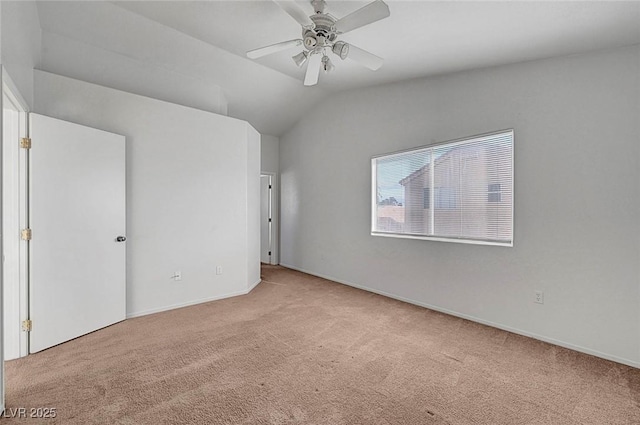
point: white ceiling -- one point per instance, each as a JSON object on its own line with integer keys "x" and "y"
{"x": 188, "y": 51}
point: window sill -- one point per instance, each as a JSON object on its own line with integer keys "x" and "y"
{"x": 443, "y": 239}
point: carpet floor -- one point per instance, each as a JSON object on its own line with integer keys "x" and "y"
{"x": 303, "y": 350}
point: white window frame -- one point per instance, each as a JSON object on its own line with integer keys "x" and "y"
{"x": 448, "y": 143}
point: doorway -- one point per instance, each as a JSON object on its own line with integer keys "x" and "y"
{"x": 74, "y": 194}
{"x": 13, "y": 208}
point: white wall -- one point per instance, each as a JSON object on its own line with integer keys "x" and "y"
{"x": 270, "y": 154}
{"x": 21, "y": 44}
{"x": 189, "y": 195}
{"x": 577, "y": 197}
{"x": 76, "y": 59}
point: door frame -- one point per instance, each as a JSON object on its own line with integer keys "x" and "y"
{"x": 269, "y": 223}
{"x": 1, "y": 271}
{"x": 274, "y": 210}
{"x": 20, "y": 174}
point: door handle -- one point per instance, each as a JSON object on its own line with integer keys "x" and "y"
{"x": 121, "y": 239}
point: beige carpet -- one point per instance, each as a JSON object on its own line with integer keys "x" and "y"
{"x": 303, "y": 350}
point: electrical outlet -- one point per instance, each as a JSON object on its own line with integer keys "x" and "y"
{"x": 218, "y": 269}
{"x": 539, "y": 297}
{"x": 177, "y": 275}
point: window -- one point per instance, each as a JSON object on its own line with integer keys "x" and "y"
{"x": 460, "y": 191}
{"x": 445, "y": 198}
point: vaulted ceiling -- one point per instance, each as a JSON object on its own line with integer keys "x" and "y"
{"x": 193, "y": 53}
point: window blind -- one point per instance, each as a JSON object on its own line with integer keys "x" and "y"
{"x": 459, "y": 191}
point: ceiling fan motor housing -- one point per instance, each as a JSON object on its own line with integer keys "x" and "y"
{"x": 323, "y": 23}
{"x": 323, "y": 31}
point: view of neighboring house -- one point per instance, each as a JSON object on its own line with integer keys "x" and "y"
{"x": 390, "y": 218}
{"x": 471, "y": 196}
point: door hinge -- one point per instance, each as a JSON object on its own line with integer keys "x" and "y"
{"x": 269, "y": 252}
{"x": 25, "y": 234}
{"x": 27, "y": 325}
{"x": 269, "y": 220}
{"x": 25, "y": 143}
{"x": 269, "y": 186}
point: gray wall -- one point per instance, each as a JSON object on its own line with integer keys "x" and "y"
{"x": 577, "y": 197}
{"x": 192, "y": 192}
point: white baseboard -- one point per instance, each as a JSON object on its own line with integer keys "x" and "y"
{"x": 189, "y": 303}
{"x": 253, "y": 286}
{"x": 477, "y": 320}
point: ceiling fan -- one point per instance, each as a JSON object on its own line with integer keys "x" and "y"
{"x": 319, "y": 36}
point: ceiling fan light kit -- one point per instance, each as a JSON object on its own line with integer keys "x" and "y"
{"x": 341, "y": 49}
{"x": 319, "y": 37}
{"x": 301, "y": 58}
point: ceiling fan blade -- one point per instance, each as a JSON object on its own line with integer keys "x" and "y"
{"x": 267, "y": 50}
{"x": 372, "y": 12}
{"x": 364, "y": 58}
{"x": 294, "y": 11}
{"x": 313, "y": 69}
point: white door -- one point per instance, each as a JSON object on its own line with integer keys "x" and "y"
{"x": 77, "y": 218}
{"x": 265, "y": 219}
